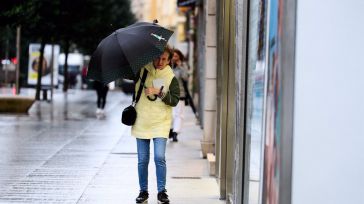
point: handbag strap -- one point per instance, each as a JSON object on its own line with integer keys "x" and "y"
{"x": 135, "y": 100}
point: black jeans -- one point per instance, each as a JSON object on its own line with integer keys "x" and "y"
{"x": 101, "y": 96}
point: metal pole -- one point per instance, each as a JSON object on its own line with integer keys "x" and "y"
{"x": 51, "y": 64}
{"x": 7, "y": 60}
{"x": 17, "y": 86}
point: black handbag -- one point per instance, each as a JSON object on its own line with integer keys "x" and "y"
{"x": 129, "y": 115}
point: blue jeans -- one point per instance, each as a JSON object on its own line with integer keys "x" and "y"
{"x": 159, "y": 160}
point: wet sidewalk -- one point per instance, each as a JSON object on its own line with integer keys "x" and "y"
{"x": 60, "y": 153}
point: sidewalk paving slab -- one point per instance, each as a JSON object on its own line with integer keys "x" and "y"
{"x": 60, "y": 153}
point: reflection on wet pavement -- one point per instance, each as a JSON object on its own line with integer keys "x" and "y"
{"x": 61, "y": 153}
{"x": 51, "y": 154}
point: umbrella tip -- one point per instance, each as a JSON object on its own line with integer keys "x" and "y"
{"x": 155, "y": 21}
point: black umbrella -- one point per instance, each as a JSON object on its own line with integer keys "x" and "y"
{"x": 127, "y": 50}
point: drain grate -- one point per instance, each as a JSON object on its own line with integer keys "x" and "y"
{"x": 185, "y": 177}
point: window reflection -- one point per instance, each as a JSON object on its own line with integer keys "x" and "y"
{"x": 256, "y": 86}
{"x": 272, "y": 141}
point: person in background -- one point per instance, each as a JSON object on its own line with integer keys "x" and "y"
{"x": 154, "y": 111}
{"x": 101, "y": 91}
{"x": 181, "y": 72}
{"x": 84, "y": 79}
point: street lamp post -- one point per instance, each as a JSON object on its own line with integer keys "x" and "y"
{"x": 17, "y": 86}
{"x": 52, "y": 74}
{"x": 6, "y": 67}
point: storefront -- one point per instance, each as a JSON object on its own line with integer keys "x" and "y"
{"x": 287, "y": 106}
{"x": 255, "y": 100}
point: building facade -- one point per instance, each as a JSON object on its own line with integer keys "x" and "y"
{"x": 279, "y": 98}
{"x": 167, "y": 14}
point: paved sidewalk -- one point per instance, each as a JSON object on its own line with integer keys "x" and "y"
{"x": 60, "y": 153}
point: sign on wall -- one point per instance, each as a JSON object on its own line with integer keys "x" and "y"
{"x": 48, "y": 64}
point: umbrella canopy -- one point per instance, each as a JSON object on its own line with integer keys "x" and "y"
{"x": 127, "y": 50}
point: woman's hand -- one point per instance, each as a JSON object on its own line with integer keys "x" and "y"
{"x": 151, "y": 91}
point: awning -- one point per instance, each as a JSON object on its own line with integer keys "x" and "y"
{"x": 181, "y": 3}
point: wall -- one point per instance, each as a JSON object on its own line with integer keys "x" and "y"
{"x": 208, "y": 78}
{"x": 328, "y": 158}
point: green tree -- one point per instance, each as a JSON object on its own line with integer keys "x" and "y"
{"x": 36, "y": 16}
{"x": 85, "y": 22}
{"x": 70, "y": 22}
{"x": 116, "y": 14}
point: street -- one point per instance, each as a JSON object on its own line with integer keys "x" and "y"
{"x": 61, "y": 153}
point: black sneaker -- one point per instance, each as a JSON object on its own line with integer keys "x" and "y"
{"x": 143, "y": 197}
{"x": 175, "y": 137}
{"x": 170, "y": 135}
{"x": 163, "y": 197}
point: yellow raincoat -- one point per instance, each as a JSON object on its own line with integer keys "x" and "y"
{"x": 154, "y": 118}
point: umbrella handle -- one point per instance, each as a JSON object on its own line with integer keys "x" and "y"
{"x": 152, "y": 99}
{"x": 155, "y": 96}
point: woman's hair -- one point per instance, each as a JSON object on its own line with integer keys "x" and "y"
{"x": 169, "y": 50}
{"x": 180, "y": 54}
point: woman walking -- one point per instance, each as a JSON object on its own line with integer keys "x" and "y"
{"x": 154, "y": 111}
{"x": 101, "y": 91}
{"x": 181, "y": 73}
